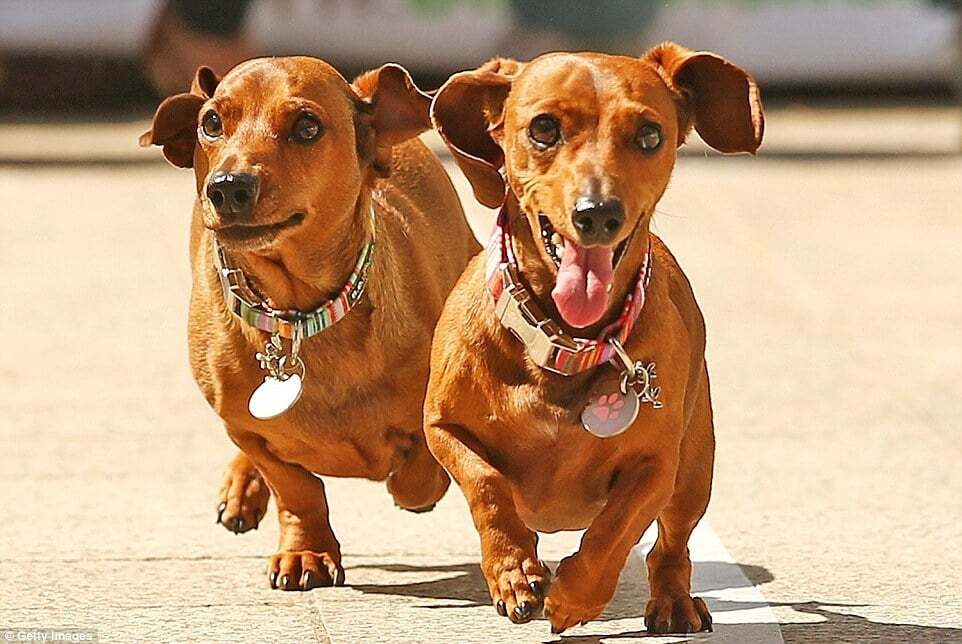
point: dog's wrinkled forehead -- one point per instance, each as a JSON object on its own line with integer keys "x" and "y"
{"x": 265, "y": 82}
{"x": 592, "y": 84}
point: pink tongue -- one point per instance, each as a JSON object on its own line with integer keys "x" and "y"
{"x": 581, "y": 291}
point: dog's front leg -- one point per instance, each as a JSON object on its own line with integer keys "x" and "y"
{"x": 309, "y": 554}
{"x": 243, "y": 497}
{"x": 418, "y": 481}
{"x": 585, "y": 582}
{"x": 509, "y": 559}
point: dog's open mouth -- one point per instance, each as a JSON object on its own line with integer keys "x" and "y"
{"x": 585, "y": 274}
{"x": 554, "y": 243}
{"x": 249, "y": 233}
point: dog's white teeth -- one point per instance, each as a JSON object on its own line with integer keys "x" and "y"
{"x": 559, "y": 245}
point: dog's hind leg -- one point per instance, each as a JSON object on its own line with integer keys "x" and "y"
{"x": 419, "y": 481}
{"x": 671, "y": 608}
{"x": 243, "y": 497}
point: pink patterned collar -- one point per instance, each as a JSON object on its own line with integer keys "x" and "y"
{"x": 547, "y": 343}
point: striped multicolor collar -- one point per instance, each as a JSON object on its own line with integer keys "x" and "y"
{"x": 242, "y": 302}
{"x": 546, "y": 342}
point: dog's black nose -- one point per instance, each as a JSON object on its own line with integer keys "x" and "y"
{"x": 597, "y": 222}
{"x": 233, "y": 195}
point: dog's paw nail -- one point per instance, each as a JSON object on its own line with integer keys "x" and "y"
{"x": 502, "y": 608}
{"x": 220, "y": 512}
{"x": 284, "y": 581}
{"x": 273, "y": 579}
{"x": 688, "y": 628}
{"x": 522, "y": 611}
{"x": 306, "y": 580}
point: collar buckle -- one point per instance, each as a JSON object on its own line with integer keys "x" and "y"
{"x": 544, "y": 340}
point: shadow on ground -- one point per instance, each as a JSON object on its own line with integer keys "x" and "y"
{"x": 463, "y": 585}
{"x": 839, "y": 627}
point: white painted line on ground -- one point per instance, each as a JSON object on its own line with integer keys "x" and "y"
{"x": 740, "y": 612}
{"x": 442, "y": 598}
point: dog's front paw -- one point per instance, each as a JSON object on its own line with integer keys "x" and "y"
{"x": 577, "y": 595}
{"x": 243, "y": 497}
{"x": 304, "y": 570}
{"x": 683, "y": 614}
{"x": 517, "y": 583}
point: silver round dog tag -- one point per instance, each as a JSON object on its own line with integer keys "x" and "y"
{"x": 610, "y": 412}
{"x": 275, "y": 396}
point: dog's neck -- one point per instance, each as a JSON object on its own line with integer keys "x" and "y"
{"x": 307, "y": 270}
{"x": 540, "y": 276}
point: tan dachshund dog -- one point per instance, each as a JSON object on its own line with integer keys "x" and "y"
{"x": 538, "y": 425}
{"x": 297, "y": 172}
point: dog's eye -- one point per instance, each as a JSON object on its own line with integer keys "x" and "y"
{"x": 306, "y": 129}
{"x": 648, "y": 137}
{"x": 211, "y": 125}
{"x": 544, "y": 131}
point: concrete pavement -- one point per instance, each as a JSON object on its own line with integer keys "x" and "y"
{"x": 831, "y": 290}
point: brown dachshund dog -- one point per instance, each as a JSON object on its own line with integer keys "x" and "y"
{"x": 587, "y": 143}
{"x": 297, "y": 170}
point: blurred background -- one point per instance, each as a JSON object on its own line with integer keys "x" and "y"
{"x": 827, "y": 269}
{"x": 111, "y": 60}
{"x": 96, "y": 53}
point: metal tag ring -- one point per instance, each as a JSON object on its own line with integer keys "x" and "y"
{"x": 289, "y": 365}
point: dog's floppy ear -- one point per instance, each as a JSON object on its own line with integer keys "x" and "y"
{"x": 719, "y": 99}
{"x": 175, "y": 122}
{"x": 205, "y": 82}
{"x": 466, "y": 110}
{"x": 394, "y": 107}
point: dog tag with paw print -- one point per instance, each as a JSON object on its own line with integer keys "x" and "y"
{"x": 609, "y": 412}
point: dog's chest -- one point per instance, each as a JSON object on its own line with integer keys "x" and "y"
{"x": 559, "y": 473}
{"x": 347, "y": 422}
{"x": 564, "y": 482}
{"x": 550, "y": 404}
